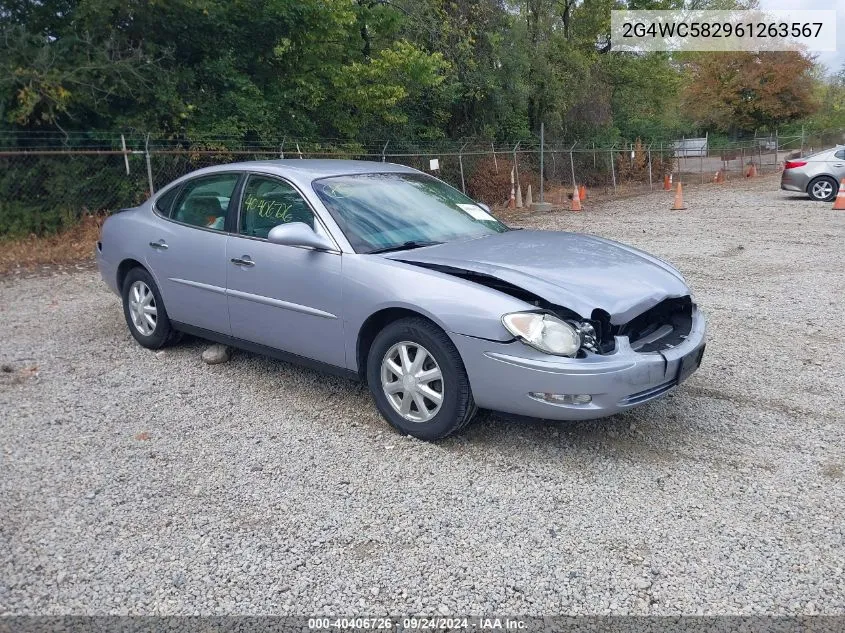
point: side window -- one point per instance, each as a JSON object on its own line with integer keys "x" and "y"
{"x": 840, "y": 155}
{"x": 268, "y": 202}
{"x": 165, "y": 201}
{"x": 203, "y": 202}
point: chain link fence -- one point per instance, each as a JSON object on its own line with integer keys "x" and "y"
{"x": 44, "y": 188}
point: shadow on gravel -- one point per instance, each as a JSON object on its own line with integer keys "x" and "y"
{"x": 801, "y": 198}
{"x": 652, "y": 432}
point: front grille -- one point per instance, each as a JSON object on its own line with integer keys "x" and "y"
{"x": 663, "y": 326}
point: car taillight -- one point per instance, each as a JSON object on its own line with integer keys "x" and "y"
{"x": 792, "y": 164}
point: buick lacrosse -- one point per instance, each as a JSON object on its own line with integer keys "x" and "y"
{"x": 386, "y": 274}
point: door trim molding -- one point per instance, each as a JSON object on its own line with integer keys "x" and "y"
{"x": 278, "y": 303}
{"x": 196, "y": 284}
{"x": 248, "y": 296}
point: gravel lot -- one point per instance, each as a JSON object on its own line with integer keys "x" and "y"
{"x": 137, "y": 482}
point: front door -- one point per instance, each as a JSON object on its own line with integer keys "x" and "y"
{"x": 285, "y": 297}
{"x": 188, "y": 254}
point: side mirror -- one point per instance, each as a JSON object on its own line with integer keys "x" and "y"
{"x": 485, "y": 207}
{"x": 299, "y": 234}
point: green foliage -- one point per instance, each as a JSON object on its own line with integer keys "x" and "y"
{"x": 357, "y": 70}
{"x": 45, "y": 194}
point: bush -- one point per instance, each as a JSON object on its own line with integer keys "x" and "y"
{"x": 628, "y": 169}
{"x": 18, "y": 219}
{"x": 44, "y": 194}
{"x": 492, "y": 186}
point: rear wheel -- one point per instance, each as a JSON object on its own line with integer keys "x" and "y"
{"x": 823, "y": 188}
{"x": 144, "y": 310}
{"x": 418, "y": 380}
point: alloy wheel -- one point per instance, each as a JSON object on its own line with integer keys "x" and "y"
{"x": 822, "y": 190}
{"x": 142, "y": 308}
{"x": 412, "y": 381}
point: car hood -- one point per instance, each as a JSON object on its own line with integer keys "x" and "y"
{"x": 572, "y": 270}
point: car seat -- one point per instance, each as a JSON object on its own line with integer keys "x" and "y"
{"x": 204, "y": 210}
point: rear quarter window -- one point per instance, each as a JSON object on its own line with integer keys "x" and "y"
{"x": 164, "y": 203}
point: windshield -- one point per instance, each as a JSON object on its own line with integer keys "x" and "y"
{"x": 379, "y": 212}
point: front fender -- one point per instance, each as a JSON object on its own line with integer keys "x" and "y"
{"x": 373, "y": 283}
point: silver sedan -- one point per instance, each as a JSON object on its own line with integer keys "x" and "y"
{"x": 818, "y": 175}
{"x": 388, "y": 275}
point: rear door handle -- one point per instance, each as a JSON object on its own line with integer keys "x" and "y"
{"x": 243, "y": 261}
{"x": 160, "y": 245}
{"x": 839, "y": 165}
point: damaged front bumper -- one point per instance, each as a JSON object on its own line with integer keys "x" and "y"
{"x": 504, "y": 375}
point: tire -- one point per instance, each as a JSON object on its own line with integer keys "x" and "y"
{"x": 823, "y": 188}
{"x": 456, "y": 407}
{"x": 153, "y": 336}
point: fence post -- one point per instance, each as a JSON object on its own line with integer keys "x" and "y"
{"x": 125, "y": 153}
{"x": 649, "y": 167}
{"x": 282, "y": 147}
{"x": 515, "y": 164}
{"x": 149, "y": 164}
{"x": 298, "y": 151}
{"x": 701, "y": 166}
{"x": 461, "y": 164}
{"x": 572, "y": 163}
{"x": 495, "y": 162}
{"x": 384, "y": 149}
{"x": 613, "y": 167}
{"x": 542, "y": 150}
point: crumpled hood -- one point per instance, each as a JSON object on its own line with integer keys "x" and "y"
{"x": 573, "y": 270}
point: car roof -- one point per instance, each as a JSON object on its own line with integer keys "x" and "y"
{"x": 311, "y": 168}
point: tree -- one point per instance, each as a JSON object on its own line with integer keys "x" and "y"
{"x": 740, "y": 91}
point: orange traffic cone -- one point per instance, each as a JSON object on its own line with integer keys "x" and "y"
{"x": 576, "y": 201}
{"x": 679, "y": 199}
{"x": 752, "y": 171}
{"x": 582, "y": 192}
{"x": 667, "y": 182}
{"x": 720, "y": 176}
{"x": 839, "y": 203}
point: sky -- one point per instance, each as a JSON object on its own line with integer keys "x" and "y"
{"x": 833, "y": 61}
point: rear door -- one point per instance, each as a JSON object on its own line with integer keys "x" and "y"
{"x": 285, "y": 297}
{"x": 838, "y": 164}
{"x": 188, "y": 252}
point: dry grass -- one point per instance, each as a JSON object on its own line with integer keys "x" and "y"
{"x": 72, "y": 246}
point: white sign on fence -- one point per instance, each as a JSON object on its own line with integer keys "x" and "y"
{"x": 434, "y": 164}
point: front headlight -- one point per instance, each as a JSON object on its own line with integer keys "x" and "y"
{"x": 544, "y": 332}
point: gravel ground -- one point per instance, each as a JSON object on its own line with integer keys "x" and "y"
{"x": 137, "y": 482}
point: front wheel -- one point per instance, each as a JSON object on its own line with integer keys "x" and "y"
{"x": 823, "y": 188}
{"x": 418, "y": 380}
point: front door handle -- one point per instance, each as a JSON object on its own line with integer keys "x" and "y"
{"x": 160, "y": 245}
{"x": 243, "y": 261}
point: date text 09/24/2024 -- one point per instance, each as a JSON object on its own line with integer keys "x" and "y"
{"x": 416, "y": 623}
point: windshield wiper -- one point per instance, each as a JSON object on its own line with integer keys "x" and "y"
{"x": 403, "y": 247}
